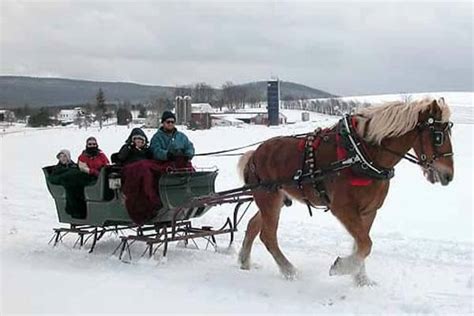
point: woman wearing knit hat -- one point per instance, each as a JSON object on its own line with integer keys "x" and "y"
{"x": 64, "y": 160}
{"x": 67, "y": 174}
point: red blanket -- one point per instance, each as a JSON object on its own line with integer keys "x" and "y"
{"x": 140, "y": 187}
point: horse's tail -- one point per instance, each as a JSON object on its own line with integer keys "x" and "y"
{"x": 242, "y": 164}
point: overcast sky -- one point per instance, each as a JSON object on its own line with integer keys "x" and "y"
{"x": 345, "y": 48}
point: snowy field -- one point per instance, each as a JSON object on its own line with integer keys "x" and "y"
{"x": 422, "y": 258}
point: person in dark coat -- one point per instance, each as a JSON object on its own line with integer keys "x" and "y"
{"x": 64, "y": 160}
{"x": 92, "y": 158}
{"x": 170, "y": 145}
{"x": 139, "y": 174}
{"x": 135, "y": 148}
{"x": 67, "y": 174}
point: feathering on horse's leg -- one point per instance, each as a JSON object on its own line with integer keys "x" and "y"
{"x": 270, "y": 206}
{"x": 253, "y": 229}
{"x": 361, "y": 278}
{"x": 363, "y": 244}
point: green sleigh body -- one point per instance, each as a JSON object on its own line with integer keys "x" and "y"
{"x": 105, "y": 206}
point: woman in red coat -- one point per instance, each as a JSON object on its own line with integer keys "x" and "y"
{"x": 92, "y": 158}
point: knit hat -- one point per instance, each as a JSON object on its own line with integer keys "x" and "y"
{"x": 66, "y": 153}
{"x": 167, "y": 115}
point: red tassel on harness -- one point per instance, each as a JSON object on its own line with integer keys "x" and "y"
{"x": 354, "y": 180}
{"x": 341, "y": 155}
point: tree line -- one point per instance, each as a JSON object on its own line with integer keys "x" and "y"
{"x": 230, "y": 95}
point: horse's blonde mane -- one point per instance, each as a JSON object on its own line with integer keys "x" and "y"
{"x": 393, "y": 119}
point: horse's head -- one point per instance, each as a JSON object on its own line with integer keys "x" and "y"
{"x": 433, "y": 143}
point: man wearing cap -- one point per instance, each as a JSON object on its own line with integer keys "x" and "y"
{"x": 168, "y": 144}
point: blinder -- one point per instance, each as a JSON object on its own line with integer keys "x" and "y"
{"x": 438, "y": 130}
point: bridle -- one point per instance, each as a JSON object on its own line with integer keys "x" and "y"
{"x": 438, "y": 132}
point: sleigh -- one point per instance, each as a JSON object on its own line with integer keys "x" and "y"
{"x": 185, "y": 196}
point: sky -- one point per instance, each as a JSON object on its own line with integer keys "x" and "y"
{"x": 343, "y": 47}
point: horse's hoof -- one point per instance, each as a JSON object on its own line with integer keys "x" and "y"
{"x": 364, "y": 281}
{"x": 290, "y": 274}
{"x": 245, "y": 265}
{"x": 334, "y": 270}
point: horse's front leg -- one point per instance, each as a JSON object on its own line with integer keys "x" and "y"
{"x": 359, "y": 227}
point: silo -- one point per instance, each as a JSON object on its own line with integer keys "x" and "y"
{"x": 273, "y": 101}
{"x": 305, "y": 116}
{"x": 180, "y": 110}
{"x": 189, "y": 108}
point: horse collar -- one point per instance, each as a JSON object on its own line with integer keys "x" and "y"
{"x": 358, "y": 157}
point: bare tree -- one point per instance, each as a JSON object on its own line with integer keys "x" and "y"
{"x": 182, "y": 91}
{"x": 203, "y": 93}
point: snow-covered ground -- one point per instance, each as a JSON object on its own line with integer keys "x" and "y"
{"x": 422, "y": 256}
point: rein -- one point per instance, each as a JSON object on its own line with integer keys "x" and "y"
{"x": 217, "y": 153}
{"x": 228, "y": 150}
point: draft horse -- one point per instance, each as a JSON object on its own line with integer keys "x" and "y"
{"x": 348, "y": 169}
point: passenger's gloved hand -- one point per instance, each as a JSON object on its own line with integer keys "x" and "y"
{"x": 170, "y": 156}
{"x": 83, "y": 167}
{"x": 172, "y": 147}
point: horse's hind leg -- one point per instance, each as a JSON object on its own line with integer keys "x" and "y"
{"x": 270, "y": 205}
{"x": 358, "y": 225}
{"x": 253, "y": 228}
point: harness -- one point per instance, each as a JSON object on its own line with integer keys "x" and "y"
{"x": 312, "y": 142}
{"x": 438, "y": 130}
{"x": 361, "y": 163}
{"x": 358, "y": 161}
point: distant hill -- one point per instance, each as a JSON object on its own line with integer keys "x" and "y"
{"x": 289, "y": 90}
{"x": 18, "y": 91}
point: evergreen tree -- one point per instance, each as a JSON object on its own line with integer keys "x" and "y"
{"x": 101, "y": 107}
{"x": 124, "y": 116}
{"x": 41, "y": 118}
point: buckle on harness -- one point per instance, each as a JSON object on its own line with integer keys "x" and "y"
{"x": 350, "y": 161}
{"x": 298, "y": 175}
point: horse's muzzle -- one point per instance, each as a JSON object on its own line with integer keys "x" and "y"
{"x": 434, "y": 175}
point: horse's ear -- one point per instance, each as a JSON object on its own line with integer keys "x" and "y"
{"x": 433, "y": 105}
{"x": 441, "y": 101}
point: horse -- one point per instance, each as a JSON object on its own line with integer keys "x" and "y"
{"x": 382, "y": 135}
